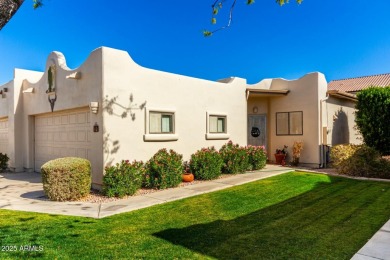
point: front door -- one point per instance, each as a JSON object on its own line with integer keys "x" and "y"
{"x": 257, "y": 130}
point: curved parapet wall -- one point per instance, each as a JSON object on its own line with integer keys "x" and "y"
{"x": 281, "y": 83}
{"x": 58, "y": 59}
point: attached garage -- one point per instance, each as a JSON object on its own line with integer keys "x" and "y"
{"x": 62, "y": 134}
{"x": 4, "y": 135}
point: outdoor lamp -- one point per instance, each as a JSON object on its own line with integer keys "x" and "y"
{"x": 94, "y": 106}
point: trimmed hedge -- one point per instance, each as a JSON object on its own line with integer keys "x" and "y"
{"x": 66, "y": 179}
{"x": 359, "y": 160}
{"x": 206, "y": 164}
{"x": 164, "y": 170}
{"x": 373, "y": 117}
{"x": 123, "y": 179}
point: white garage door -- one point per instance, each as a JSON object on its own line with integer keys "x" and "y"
{"x": 4, "y": 135}
{"x": 61, "y": 134}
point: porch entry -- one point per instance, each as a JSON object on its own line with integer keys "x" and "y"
{"x": 257, "y": 130}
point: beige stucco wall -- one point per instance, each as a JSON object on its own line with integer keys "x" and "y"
{"x": 341, "y": 122}
{"x": 71, "y": 94}
{"x": 305, "y": 95}
{"x": 9, "y": 107}
{"x": 190, "y": 98}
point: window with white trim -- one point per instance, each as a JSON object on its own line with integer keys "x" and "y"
{"x": 217, "y": 124}
{"x": 161, "y": 123}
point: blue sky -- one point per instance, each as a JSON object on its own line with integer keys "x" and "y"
{"x": 341, "y": 39}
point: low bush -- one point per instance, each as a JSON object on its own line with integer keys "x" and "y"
{"x": 66, "y": 179}
{"x": 340, "y": 153}
{"x": 164, "y": 170}
{"x": 235, "y": 158}
{"x": 359, "y": 160}
{"x": 3, "y": 161}
{"x": 257, "y": 157}
{"x": 206, "y": 164}
{"x": 123, "y": 179}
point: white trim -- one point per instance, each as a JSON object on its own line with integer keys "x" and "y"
{"x": 216, "y": 136}
{"x": 160, "y": 137}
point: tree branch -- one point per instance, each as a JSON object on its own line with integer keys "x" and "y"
{"x": 7, "y": 9}
{"x": 218, "y": 5}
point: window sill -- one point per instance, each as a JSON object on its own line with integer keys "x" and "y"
{"x": 161, "y": 137}
{"x": 217, "y": 136}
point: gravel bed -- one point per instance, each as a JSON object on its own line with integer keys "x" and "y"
{"x": 96, "y": 197}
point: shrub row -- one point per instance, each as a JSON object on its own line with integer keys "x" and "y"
{"x": 207, "y": 163}
{"x": 359, "y": 160}
{"x": 165, "y": 168}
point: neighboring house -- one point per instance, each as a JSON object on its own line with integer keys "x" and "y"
{"x": 111, "y": 109}
{"x": 343, "y": 130}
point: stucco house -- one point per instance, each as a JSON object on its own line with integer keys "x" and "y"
{"x": 110, "y": 109}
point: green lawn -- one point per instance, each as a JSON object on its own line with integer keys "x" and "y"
{"x": 295, "y": 215}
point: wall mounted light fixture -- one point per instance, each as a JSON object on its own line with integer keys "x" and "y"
{"x": 255, "y": 110}
{"x": 52, "y": 100}
{"x": 94, "y": 106}
{"x": 96, "y": 127}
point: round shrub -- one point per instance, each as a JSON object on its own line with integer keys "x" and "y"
{"x": 66, "y": 179}
{"x": 123, "y": 179}
{"x": 257, "y": 157}
{"x": 206, "y": 164}
{"x": 235, "y": 158}
{"x": 164, "y": 170}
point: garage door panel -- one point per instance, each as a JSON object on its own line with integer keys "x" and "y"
{"x": 61, "y": 134}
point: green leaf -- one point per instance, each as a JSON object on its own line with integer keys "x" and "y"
{"x": 37, "y": 4}
{"x": 207, "y": 33}
{"x": 215, "y": 11}
{"x": 249, "y": 2}
{"x": 213, "y": 20}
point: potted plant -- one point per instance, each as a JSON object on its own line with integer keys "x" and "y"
{"x": 297, "y": 149}
{"x": 280, "y": 155}
{"x": 187, "y": 176}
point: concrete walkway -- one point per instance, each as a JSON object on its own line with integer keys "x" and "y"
{"x": 378, "y": 247}
{"x": 24, "y": 192}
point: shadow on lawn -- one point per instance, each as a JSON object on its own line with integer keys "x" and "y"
{"x": 311, "y": 225}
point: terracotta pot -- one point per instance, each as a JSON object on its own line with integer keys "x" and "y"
{"x": 188, "y": 177}
{"x": 279, "y": 158}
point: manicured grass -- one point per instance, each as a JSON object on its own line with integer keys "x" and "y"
{"x": 292, "y": 216}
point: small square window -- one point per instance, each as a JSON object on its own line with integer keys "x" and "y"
{"x": 161, "y": 123}
{"x": 217, "y": 124}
